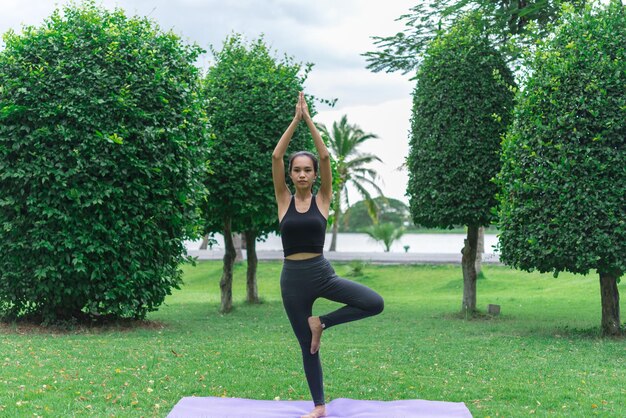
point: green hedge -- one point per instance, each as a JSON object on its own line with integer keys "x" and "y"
{"x": 102, "y": 152}
{"x": 564, "y": 164}
{"x": 461, "y": 107}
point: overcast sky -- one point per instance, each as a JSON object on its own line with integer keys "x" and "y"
{"x": 331, "y": 34}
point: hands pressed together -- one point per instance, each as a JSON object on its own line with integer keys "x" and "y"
{"x": 302, "y": 109}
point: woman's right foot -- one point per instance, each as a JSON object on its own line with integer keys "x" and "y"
{"x": 316, "y": 333}
{"x": 319, "y": 411}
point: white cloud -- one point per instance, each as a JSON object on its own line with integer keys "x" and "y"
{"x": 353, "y": 87}
{"x": 390, "y": 122}
{"x": 332, "y": 34}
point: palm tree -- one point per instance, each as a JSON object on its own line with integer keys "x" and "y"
{"x": 385, "y": 232}
{"x": 343, "y": 142}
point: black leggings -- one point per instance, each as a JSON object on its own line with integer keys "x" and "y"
{"x": 301, "y": 283}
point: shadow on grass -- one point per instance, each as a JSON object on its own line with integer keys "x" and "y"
{"x": 592, "y": 333}
{"x": 167, "y": 317}
{"x": 555, "y": 332}
{"x": 475, "y": 316}
{"x": 69, "y": 327}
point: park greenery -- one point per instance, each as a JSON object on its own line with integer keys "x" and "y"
{"x": 114, "y": 150}
{"x": 513, "y": 26}
{"x": 102, "y": 151}
{"x": 461, "y": 107}
{"x": 541, "y": 357}
{"x": 250, "y": 102}
{"x": 563, "y": 176}
{"x": 385, "y": 233}
{"x": 352, "y": 167}
{"x": 357, "y": 216}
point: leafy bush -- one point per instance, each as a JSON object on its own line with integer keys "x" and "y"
{"x": 389, "y": 210}
{"x": 102, "y": 153}
{"x": 564, "y": 163}
{"x": 564, "y": 171}
{"x": 356, "y": 268}
{"x": 386, "y": 233}
{"x": 461, "y": 107}
{"x": 251, "y": 101}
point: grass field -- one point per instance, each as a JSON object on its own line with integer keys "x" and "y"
{"x": 542, "y": 356}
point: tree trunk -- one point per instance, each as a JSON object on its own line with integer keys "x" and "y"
{"x": 205, "y": 242}
{"x": 333, "y": 241}
{"x": 252, "y": 292}
{"x": 468, "y": 262}
{"x": 609, "y": 294}
{"x": 480, "y": 249}
{"x": 226, "y": 283}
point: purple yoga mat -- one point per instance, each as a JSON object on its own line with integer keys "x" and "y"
{"x": 211, "y": 407}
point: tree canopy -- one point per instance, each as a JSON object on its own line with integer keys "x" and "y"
{"x": 251, "y": 96}
{"x": 385, "y": 233}
{"x": 251, "y": 100}
{"x": 351, "y": 167}
{"x": 563, "y": 174}
{"x": 461, "y": 107}
{"x": 102, "y": 150}
{"x": 389, "y": 210}
{"x": 521, "y": 20}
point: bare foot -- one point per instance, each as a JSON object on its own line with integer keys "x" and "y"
{"x": 316, "y": 330}
{"x": 319, "y": 411}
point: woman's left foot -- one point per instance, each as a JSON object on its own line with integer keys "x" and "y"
{"x": 316, "y": 333}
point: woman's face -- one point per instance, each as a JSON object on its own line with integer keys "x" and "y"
{"x": 302, "y": 173}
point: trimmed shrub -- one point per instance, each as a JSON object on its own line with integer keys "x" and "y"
{"x": 251, "y": 101}
{"x": 102, "y": 155}
{"x": 564, "y": 175}
{"x": 563, "y": 202}
{"x": 461, "y": 108}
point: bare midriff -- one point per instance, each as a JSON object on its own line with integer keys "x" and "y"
{"x": 302, "y": 256}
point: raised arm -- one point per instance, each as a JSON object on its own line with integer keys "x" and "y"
{"x": 325, "y": 193}
{"x": 281, "y": 190}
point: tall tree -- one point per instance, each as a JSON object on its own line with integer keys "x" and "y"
{"x": 389, "y": 210}
{"x": 103, "y": 141}
{"x": 461, "y": 107}
{"x": 563, "y": 204}
{"x": 250, "y": 101}
{"x": 351, "y": 167}
{"x": 522, "y": 21}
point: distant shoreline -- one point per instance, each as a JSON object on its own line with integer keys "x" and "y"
{"x": 366, "y": 257}
{"x": 488, "y": 231}
{"x": 409, "y": 243}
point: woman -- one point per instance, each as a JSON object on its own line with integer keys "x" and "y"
{"x": 306, "y": 274}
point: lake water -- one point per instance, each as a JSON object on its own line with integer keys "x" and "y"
{"x": 354, "y": 242}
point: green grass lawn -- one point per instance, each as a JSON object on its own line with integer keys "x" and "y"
{"x": 541, "y": 356}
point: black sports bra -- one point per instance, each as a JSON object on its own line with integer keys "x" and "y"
{"x": 303, "y": 232}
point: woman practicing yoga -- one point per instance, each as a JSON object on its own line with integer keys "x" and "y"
{"x": 306, "y": 274}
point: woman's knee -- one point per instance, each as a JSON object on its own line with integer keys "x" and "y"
{"x": 376, "y": 305}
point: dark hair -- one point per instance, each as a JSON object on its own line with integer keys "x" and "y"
{"x": 306, "y": 154}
